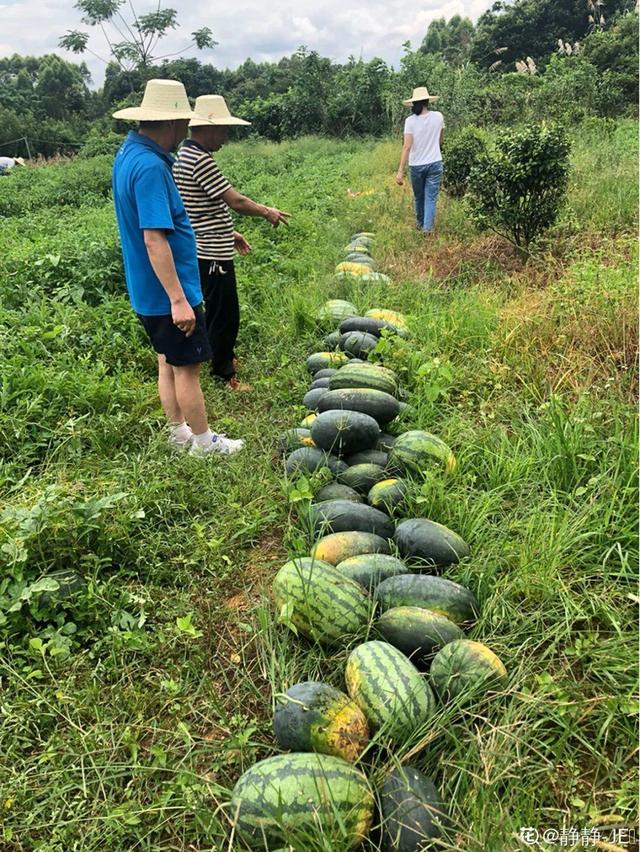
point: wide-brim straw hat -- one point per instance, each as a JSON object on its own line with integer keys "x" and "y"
{"x": 163, "y": 100}
{"x": 213, "y": 110}
{"x": 19, "y": 161}
{"x": 420, "y": 94}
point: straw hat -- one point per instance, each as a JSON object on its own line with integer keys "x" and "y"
{"x": 212, "y": 109}
{"x": 19, "y": 161}
{"x": 163, "y": 100}
{"x": 420, "y": 94}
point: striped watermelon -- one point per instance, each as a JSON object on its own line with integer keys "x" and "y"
{"x": 345, "y": 516}
{"x": 390, "y": 691}
{"x": 465, "y": 667}
{"x": 313, "y": 716}
{"x": 365, "y": 376}
{"x": 325, "y": 360}
{"x": 337, "y": 547}
{"x": 288, "y": 799}
{"x": 336, "y": 310}
{"x": 428, "y": 542}
{"x": 443, "y": 596}
{"x": 419, "y": 633}
{"x": 293, "y": 439}
{"x": 388, "y": 495}
{"x": 415, "y": 452}
{"x": 369, "y": 569}
{"x": 319, "y": 601}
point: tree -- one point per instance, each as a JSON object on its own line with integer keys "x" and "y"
{"x": 131, "y": 43}
{"x": 449, "y": 39}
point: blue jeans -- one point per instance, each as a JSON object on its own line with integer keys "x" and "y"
{"x": 425, "y": 182}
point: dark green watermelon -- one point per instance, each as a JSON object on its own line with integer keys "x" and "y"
{"x": 337, "y": 491}
{"x": 412, "y": 812}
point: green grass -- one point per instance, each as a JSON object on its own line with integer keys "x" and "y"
{"x": 128, "y": 713}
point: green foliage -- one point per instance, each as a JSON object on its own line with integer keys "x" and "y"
{"x": 462, "y": 151}
{"x": 450, "y": 39}
{"x": 518, "y": 189}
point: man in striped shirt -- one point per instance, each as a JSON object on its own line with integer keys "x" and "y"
{"x": 207, "y": 196}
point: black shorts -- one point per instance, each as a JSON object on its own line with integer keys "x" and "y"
{"x": 178, "y": 349}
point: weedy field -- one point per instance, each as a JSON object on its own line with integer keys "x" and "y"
{"x": 130, "y": 708}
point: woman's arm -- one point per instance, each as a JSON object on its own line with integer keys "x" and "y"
{"x": 404, "y": 156}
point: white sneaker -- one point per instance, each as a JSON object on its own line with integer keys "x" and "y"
{"x": 178, "y": 445}
{"x": 219, "y": 444}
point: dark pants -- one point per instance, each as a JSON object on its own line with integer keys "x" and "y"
{"x": 222, "y": 314}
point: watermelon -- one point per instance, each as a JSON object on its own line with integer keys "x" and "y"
{"x": 428, "y": 542}
{"x": 412, "y": 812}
{"x": 360, "y": 257}
{"x": 336, "y": 310}
{"x": 337, "y": 547}
{"x": 352, "y": 268}
{"x": 326, "y": 373}
{"x": 344, "y": 432}
{"x": 311, "y": 459}
{"x": 313, "y": 397}
{"x": 368, "y": 324}
{"x": 313, "y": 716}
{"x": 362, "y": 477}
{"x": 417, "y": 632}
{"x": 336, "y": 491}
{"x": 359, "y": 246}
{"x": 358, "y": 344}
{"x": 379, "y": 405}
{"x": 288, "y": 799}
{"x": 385, "y": 441}
{"x": 347, "y": 516}
{"x": 388, "y": 495}
{"x": 394, "y": 318}
{"x": 465, "y": 667}
{"x": 331, "y": 341}
{"x": 367, "y": 237}
{"x": 389, "y": 690}
{"x": 308, "y": 420}
{"x": 368, "y": 457}
{"x": 319, "y": 383}
{"x": 369, "y": 569}
{"x": 365, "y": 376}
{"x": 443, "y": 596}
{"x": 325, "y": 360}
{"x": 415, "y": 452}
{"x": 377, "y": 278}
{"x": 292, "y": 439}
{"x": 319, "y": 602}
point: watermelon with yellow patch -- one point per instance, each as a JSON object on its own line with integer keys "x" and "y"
{"x": 337, "y": 547}
{"x": 293, "y": 439}
{"x": 352, "y": 269}
{"x": 394, "y": 318}
{"x": 388, "y": 495}
{"x": 464, "y": 668}
{"x": 419, "y": 633}
{"x": 313, "y": 716}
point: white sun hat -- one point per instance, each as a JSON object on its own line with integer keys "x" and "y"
{"x": 420, "y": 94}
{"x": 163, "y": 100}
{"x": 19, "y": 161}
{"x": 213, "y": 110}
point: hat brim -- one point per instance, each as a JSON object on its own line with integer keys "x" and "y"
{"x": 231, "y": 121}
{"x": 19, "y": 161}
{"x": 141, "y": 114}
{"x": 413, "y": 100}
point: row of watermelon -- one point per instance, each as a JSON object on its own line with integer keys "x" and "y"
{"x": 331, "y": 596}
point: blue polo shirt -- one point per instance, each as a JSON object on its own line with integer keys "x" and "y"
{"x": 145, "y": 196}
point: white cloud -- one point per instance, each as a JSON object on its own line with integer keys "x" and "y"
{"x": 249, "y": 28}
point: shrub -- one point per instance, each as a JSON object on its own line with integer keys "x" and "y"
{"x": 461, "y": 153}
{"x": 518, "y": 189}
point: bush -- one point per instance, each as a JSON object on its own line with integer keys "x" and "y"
{"x": 461, "y": 153}
{"x": 518, "y": 189}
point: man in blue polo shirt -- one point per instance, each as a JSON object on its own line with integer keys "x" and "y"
{"x": 160, "y": 262}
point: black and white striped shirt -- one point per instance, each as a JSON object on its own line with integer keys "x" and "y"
{"x": 201, "y": 185}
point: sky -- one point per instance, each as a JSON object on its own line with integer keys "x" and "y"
{"x": 264, "y": 30}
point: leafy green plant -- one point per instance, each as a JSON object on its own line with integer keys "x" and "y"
{"x": 518, "y": 189}
{"x": 461, "y": 153}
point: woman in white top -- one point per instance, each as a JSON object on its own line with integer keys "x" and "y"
{"x": 423, "y": 132}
